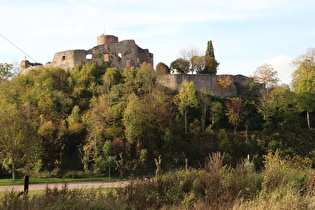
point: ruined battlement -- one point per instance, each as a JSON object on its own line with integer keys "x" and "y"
{"x": 127, "y": 53}
{"x": 123, "y": 54}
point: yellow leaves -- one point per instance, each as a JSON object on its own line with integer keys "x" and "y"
{"x": 224, "y": 81}
{"x": 186, "y": 97}
{"x": 47, "y": 128}
{"x": 266, "y": 75}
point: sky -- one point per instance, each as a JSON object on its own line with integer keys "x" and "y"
{"x": 245, "y": 33}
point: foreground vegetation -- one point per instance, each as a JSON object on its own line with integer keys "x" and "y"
{"x": 284, "y": 183}
{"x": 54, "y": 180}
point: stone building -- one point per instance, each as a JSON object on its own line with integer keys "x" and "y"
{"x": 127, "y": 53}
{"x": 123, "y": 54}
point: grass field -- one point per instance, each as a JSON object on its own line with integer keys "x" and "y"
{"x": 53, "y": 180}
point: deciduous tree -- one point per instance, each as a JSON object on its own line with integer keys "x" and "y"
{"x": 6, "y": 70}
{"x": 235, "y": 111}
{"x": 303, "y": 82}
{"x": 162, "y": 68}
{"x": 19, "y": 144}
{"x": 205, "y": 102}
{"x": 185, "y": 99}
{"x": 216, "y": 109}
{"x": 279, "y": 109}
{"x": 266, "y": 75}
{"x": 181, "y": 65}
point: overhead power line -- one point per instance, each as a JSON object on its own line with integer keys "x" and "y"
{"x": 17, "y": 47}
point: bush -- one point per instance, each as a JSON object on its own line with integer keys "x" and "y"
{"x": 282, "y": 184}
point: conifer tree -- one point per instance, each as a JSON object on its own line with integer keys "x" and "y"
{"x": 210, "y": 50}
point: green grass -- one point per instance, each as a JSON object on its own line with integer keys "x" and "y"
{"x": 53, "y": 180}
{"x": 42, "y": 192}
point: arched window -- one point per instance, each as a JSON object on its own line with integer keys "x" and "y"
{"x": 88, "y": 56}
{"x": 63, "y": 57}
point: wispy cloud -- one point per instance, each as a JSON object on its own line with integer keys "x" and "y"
{"x": 246, "y": 33}
{"x": 283, "y": 65}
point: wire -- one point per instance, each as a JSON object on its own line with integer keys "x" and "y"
{"x": 18, "y": 48}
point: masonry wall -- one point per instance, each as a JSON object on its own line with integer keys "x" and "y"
{"x": 69, "y": 59}
{"x": 206, "y": 82}
{"x": 124, "y": 54}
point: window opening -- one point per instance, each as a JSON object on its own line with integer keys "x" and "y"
{"x": 88, "y": 56}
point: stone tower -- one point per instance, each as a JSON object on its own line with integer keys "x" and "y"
{"x": 106, "y": 39}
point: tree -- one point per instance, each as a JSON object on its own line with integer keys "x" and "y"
{"x": 210, "y": 50}
{"x": 6, "y": 70}
{"x": 188, "y": 53}
{"x": 224, "y": 81}
{"x": 211, "y": 66}
{"x": 134, "y": 119}
{"x": 303, "y": 82}
{"x": 111, "y": 78}
{"x": 162, "y": 68}
{"x": 198, "y": 64}
{"x": 235, "y": 111}
{"x": 279, "y": 109}
{"x": 216, "y": 110}
{"x": 100, "y": 125}
{"x": 181, "y": 65}
{"x": 19, "y": 143}
{"x": 266, "y": 75}
{"x": 139, "y": 80}
{"x": 185, "y": 99}
{"x": 205, "y": 102}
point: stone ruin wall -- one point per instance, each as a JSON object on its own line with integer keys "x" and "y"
{"x": 124, "y": 54}
{"x": 206, "y": 82}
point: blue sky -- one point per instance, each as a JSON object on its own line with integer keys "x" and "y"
{"x": 245, "y": 33}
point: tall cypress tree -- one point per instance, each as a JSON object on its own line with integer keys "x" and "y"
{"x": 210, "y": 50}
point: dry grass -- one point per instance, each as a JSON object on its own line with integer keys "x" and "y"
{"x": 281, "y": 185}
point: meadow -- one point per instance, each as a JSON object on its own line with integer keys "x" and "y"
{"x": 284, "y": 183}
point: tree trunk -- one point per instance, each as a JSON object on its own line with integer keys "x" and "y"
{"x": 203, "y": 124}
{"x": 13, "y": 171}
{"x": 185, "y": 122}
{"x": 203, "y": 119}
{"x": 308, "y": 119}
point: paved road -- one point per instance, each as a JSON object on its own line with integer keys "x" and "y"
{"x": 70, "y": 185}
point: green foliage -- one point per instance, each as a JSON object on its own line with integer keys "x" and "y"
{"x": 281, "y": 184}
{"x": 6, "y": 70}
{"x": 210, "y": 67}
{"x": 19, "y": 143}
{"x": 216, "y": 110}
{"x": 111, "y": 78}
{"x": 279, "y": 109}
{"x": 181, "y": 65}
{"x": 134, "y": 118}
{"x": 210, "y": 50}
{"x": 94, "y": 117}
{"x": 185, "y": 99}
{"x": 303, "y": 82}
{"x": 235, "y": 111}
{"x": 162, "y": 68}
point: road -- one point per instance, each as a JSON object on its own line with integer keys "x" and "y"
{"x": 70, "y": 185}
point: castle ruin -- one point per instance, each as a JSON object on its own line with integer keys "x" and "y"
{"x": 123, "y": 54}
{"x": 127, "y": 53}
